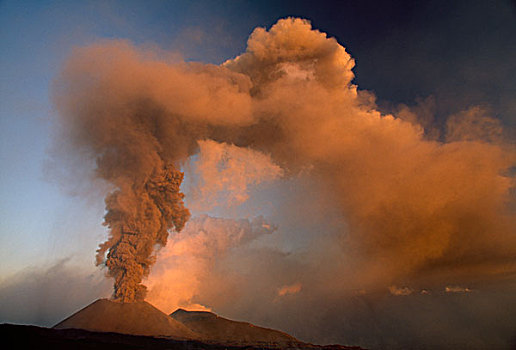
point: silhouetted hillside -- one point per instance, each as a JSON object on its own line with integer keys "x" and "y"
{"x": 32, "y": 337}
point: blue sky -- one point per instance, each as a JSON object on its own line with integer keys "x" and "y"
{"x": 40, "y": 222}
{"x": 445, "y": 56}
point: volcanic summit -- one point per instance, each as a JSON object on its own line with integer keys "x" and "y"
{"x": 141, "y": 318}
{"x": 137, "y": 318}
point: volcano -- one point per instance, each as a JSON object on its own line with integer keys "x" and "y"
{"x": 216, "y": 329}
{"x": 141, "y": 318}
{"x": 108, "y": 324}
{"x": 137, "y": 318}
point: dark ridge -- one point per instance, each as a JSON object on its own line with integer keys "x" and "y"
{"x": 32, "y": 337}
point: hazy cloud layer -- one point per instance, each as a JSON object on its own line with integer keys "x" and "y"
{"x": 45, "y": 295}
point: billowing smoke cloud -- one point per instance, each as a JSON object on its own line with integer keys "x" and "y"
{"x": 138, "y": 144}
{"x": 223, "y": 174}
{"x": 411, "y": 206}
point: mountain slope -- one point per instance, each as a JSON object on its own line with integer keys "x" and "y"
{"x": 139, "y": 318}
{"x": 213, "y": 328}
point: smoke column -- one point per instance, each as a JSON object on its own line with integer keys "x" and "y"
{"x": 137, "y": 146}
{"x": 144, "y": 205}
{"x": 413, "y": 206}
{"x": 139, "y": 216}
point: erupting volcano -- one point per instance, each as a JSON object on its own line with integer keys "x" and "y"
{"x": 141, "y": 318}
{"x": 393, "y": 200}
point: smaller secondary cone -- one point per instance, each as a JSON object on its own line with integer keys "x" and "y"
{"x": 213, "y": 328}
{"x": 138, "y": 318}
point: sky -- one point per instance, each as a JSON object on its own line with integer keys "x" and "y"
{"x": 431, "y": 61}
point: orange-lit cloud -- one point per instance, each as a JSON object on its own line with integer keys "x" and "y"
{"x": 223, "y": 174}
{"x": 290, "y": 289}
{"x": 456, "y": 289}
{"x": 400, "y": 290}
{"x": 410, "y": 205}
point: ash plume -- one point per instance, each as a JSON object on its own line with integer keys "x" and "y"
{"x": 412, "y": 205}
{"x": 138, "y": 145}
{"x": 139, "y": 216}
